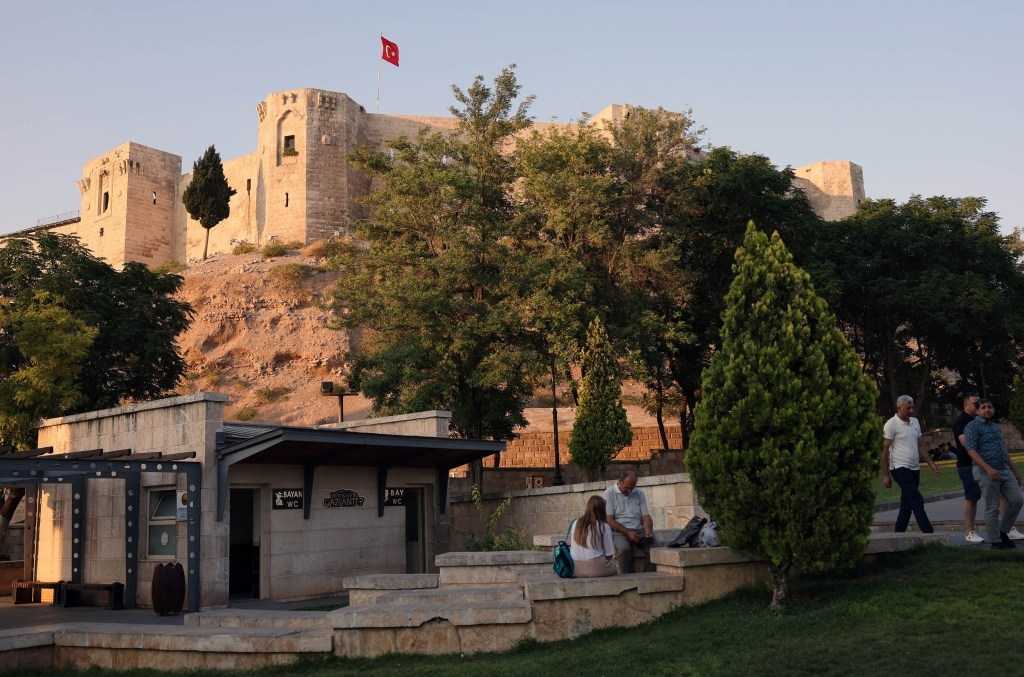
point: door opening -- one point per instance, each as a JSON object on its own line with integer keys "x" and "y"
{"x": 415, "y": 541}
{"x": 244, "y": 556}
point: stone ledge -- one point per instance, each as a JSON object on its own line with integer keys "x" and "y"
{"x": 487, "y": 559}
{"x": 390, "y": 582}
{"x": 414, "y": 616}
{"x": 193, "y": 639}
{"x": 451, "y": 596}
{"x": 582, "y": 487}
{"x": 701, "y": 557}
{"x": 550, "y": 587}
{"x": 661, "y": 537}
{"x": 164, "y": 403}
{"x": 27, "y": 638}
{"x": 257, "y": 618}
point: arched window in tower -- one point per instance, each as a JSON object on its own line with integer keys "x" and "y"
{"x": 106, "y": 202}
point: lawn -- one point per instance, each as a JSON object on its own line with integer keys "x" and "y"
{"x": 947, "y": 480}
{"x": 935, "y": 611}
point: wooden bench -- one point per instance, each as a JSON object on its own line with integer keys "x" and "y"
{"x": 82, "y": 594}
{"x": 31, "y": 592}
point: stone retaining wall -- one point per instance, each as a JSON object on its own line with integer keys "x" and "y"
{"x": 550, "y": 509}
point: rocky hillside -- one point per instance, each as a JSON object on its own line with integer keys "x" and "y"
{"x": 261, "y": 336}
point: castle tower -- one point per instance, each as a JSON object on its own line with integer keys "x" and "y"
{"x": 128, "y": 204}
{"x": 835, "y": 188}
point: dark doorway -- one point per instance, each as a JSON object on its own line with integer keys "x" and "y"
{"x": 415, "y": 541}
{"x": 244, "y": 562}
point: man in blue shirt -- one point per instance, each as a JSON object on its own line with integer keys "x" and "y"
{"x": 996, "y": 473}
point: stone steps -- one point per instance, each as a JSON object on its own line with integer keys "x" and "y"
{"x": 257, "y": 618}
{"x": 451, "y": 596}
{"x": 417, "y": 613}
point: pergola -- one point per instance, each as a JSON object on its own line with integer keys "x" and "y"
{"x": 32, "y": 469}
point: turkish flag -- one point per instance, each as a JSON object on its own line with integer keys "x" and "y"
{"x": 389, "y": 51}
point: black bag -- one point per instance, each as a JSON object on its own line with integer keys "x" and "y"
{"x": 690, "y": 533}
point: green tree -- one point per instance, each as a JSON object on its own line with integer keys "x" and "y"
{"x": 1016, "y": 413}
{"x": 709, "y": 202}
{"x": 925, "y": 289}
{"x": 41, "y": 357}
{"x": 208, "y": 194}
{"x": 601, "y": 428}
{"x": 131, "y": 314}
{"x": 786, "y": 441}
{"x": 428, "y": 287}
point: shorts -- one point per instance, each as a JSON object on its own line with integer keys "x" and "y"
{"x": 972, "y": 492}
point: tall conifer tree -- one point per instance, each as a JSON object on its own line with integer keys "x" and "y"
{"x": 786, "y": 440}
{"x": 601, "y": 428}
{"x": 207, "y": 196}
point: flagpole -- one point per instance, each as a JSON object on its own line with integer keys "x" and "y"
{"x": 378, "y": 79}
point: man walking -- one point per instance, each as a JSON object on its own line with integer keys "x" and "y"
{"x": 901, "y": 461}
{"x": 630, "y": 520}
{"x": 996, "y": 473}
{"x": 965, "y": 467}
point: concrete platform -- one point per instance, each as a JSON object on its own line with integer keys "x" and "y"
{"x": 472, "y": 569}
{"x": 390, "y": 582}
{"x": 662, "y": 537}
{"x": 549, "y": 586}
{"x": 453, "y": 596}
{"x": 258, "y": 618}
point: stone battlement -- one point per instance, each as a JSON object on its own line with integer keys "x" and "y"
{"x": 297, "y": 185}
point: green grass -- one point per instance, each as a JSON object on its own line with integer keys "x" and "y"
{"x": 935, "y": 611}
{"x": 947, "y": 480}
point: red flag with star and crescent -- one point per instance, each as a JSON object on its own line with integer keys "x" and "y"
{"x": 388, "y": 51}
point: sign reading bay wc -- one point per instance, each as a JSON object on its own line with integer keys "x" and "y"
{"x": 344, "y": 498}
{"x": 287, "y": 499}
{"x": 394, "y": 497}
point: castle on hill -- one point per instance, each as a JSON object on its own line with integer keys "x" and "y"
{"x": 297, "y": 185}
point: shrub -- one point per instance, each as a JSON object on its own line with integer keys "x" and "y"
{"x": 274, "y": 249}
{"x": 246, "y": 414}
{"x": 294, "y": 245}
{"x": 244, "y": 247}
{"x": 269, "y": 395}
{"x": 1016, "y": 413}
{"x": 170, "y": 267}
{"x": 492, "y": 540}
{"x": 785, "y": 446}
{"x": 282, "y": 357}
{"x": 291, "y": 275}
{"x": 316, "y": 249}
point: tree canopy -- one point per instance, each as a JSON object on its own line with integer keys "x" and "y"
{"x": 207, "y": 196}
{"x": 77, "y": 334}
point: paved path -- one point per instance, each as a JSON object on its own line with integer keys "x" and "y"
{"x": 22, "y": 615}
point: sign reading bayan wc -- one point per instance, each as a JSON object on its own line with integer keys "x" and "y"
{"x": 344, "y": 498}
{"x": 287, "y": 499}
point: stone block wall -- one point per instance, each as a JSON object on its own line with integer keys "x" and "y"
{"x": 549, "y": 510}
{"x": 176, "y": 424}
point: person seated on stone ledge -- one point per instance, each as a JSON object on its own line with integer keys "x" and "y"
{"x": 631, "y": 521}
{"x": 591, "y": 544}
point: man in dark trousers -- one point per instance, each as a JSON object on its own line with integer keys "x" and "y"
{"x": 965, "y": 467}
{"x": 901, "y": 462}
{"x": 996, "y": 474}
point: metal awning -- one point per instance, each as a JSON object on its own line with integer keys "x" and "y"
{"x": 312, "y": 447}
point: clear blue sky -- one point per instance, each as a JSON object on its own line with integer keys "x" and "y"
{"x": 927, "y": 96}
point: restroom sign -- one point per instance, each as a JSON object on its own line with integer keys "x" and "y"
{"x": 394, "y": 497}
{"x": 287, "y": 499}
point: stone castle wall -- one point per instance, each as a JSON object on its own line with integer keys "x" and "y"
{"x": 298, "y": 184}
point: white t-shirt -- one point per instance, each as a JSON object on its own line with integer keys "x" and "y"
{"x": 592, "y": 550}
{"x": 904, "y": 436}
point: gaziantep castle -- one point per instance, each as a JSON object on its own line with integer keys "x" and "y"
{"x": 297, "y": 185}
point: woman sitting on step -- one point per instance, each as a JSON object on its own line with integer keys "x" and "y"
{"x": 592, "y": 546}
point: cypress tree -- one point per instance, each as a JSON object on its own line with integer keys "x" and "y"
{"x": 786, "y": 440}
{"x": 207, "y": 196}
{"x": 601, "y": 428}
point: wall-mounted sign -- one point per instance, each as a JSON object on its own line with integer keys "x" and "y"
{"x": 287, "y": 499}
{"x": 394, "y": 497}
{"x": 181, "y": 514}
{"x": 344, "y": 498}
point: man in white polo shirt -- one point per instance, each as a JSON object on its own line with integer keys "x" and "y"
{"x": 630, "y": 520}
{"x": 901, "y": 461}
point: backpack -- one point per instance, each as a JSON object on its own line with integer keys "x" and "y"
{"x": 563, "y": 564}
{"x": 709, "y": 535}
{"x": 690, "y": 534}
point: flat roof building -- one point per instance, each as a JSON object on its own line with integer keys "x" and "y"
{"x": 261, "y": 510}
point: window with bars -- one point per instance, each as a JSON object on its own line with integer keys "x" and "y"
{"x": 163, "y": 528}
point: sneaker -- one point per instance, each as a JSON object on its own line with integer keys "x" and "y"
{"x": 1015, "y": 535}
{"x": 1004, "y": 543}
{"x": 973, "y": 537}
